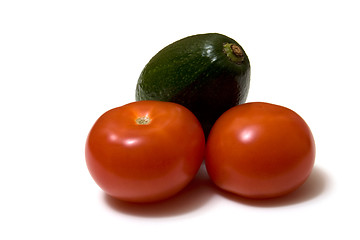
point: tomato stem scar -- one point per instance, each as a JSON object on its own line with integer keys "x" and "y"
{"x": 145, "y": 120}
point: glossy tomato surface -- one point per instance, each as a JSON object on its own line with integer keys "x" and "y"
{"x": 260, "y": 150}
{"x": 145, "y": 151}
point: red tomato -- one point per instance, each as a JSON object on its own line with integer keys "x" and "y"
{"x": 260, "y": 150}
{"x": 145, "y": 151}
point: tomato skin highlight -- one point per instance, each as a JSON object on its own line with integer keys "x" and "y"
{"x": 145, "y": 151}
{"x": 260, "y": 150}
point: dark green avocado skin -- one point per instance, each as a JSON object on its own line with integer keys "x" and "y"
{"x": 196, "y": 73}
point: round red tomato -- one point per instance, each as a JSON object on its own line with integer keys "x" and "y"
{"x": 145, "y": 151}
{"x": 260, "y": 150}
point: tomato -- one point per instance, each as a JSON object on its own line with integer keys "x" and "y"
{"x": 145, "y": 151}
{"x": 260, "y": 150}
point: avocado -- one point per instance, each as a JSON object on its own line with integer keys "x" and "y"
{"x": 206, "y": 73}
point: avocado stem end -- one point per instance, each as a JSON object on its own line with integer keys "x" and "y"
{"x": 234, "y": 52}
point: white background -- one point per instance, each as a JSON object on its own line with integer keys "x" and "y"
{"x": 64, "y": 63}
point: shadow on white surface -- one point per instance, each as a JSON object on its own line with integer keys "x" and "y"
{"x": 315, "y": 185}
{"x": 193, "y": 197}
